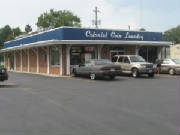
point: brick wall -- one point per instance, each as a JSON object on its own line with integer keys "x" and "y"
{"x": 32, "y": 61}
{"x": 24, "y": 61}
{"x": 63, "y": 60}
{"x": 105, "y": 52}
{"x": 54, "y": 70}
{"x": 6, "y": 61}
{"x": 18, "y": 61}
{"x": 130, "y": 50}
{"x": 43, "y": 60}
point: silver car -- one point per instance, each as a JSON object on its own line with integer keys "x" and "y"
{"x": 135, "y": 65}
{"x": 171, "y": 66}
{"x": 97, "y": 68}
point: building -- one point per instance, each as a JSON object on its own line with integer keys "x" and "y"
{"x": 57, "y": 51}
{"x": 175, "y": 51}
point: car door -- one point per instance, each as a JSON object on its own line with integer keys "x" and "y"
{"x": 127, "y": 66}
{"x": 83, "y": 68}
{"x": 120, "y": 62}
{"x": 165, "y": 65}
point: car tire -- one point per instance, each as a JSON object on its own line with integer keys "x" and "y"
{"x": 92, "y": 76}
{"x": 135, "y": 73}
{"x": 74, "y": 74}
{"x": 112, "y": 77}
{"x": 171, "y": 71}
{"x": 151, "y": 75}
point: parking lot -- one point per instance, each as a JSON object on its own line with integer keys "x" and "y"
{"x": 37, "y": 104}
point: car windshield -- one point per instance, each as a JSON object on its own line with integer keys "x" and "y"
{"x": 176, "y": 61}
{"x": 137, "y": 59}
{"x": 102, "y": 62}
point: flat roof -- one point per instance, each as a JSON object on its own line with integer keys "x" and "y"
{"x": 71, "y": 35}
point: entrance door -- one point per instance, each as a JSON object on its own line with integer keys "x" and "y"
{"x": 88, "y": 56}
{"x": 116, "y": 50}
{"x": 150, "y": 54}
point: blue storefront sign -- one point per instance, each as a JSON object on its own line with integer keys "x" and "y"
{"x": 99, "y": 34}
{"x": 65, "y": 33}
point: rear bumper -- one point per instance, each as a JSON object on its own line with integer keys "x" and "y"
{"x": 3, "y": 77}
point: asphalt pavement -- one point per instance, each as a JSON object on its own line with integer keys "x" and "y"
{"x": 36, "y": 105}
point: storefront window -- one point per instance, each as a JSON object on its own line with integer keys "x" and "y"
{"x": 54, "y": 56}
{"x": 116, "y": 50}
{"x": 81, "y": 54}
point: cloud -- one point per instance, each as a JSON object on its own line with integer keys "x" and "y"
{"x": 113, "y": 13}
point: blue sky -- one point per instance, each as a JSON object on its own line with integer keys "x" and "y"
{"x": 153, "y": 15}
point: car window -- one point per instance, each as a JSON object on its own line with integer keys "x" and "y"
{"x": 102, "y": 62}
{"x": 88, "y": 63}
{"x": 114, "y": 59}
{"x": 176, "y": 61}
{"x": 166, "y": 62}
{"x": 137, "y": 59}
{"x": 120, "y": 59}
{"x": 126, "y": 60}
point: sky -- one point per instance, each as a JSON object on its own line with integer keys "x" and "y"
{"x": 153, "y": 15}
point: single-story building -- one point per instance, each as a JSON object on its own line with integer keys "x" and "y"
{"x": 175, "y": 51}
{"x": 57, "y": 51}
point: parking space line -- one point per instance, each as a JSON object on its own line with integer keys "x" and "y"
{"x": 8, "y": 88}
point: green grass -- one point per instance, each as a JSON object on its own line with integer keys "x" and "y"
{"x": 1, "y": 66}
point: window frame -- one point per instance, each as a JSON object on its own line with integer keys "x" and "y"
{"x": 50, "y": 56}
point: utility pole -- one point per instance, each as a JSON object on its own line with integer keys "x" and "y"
{"x": 96, "y": 22}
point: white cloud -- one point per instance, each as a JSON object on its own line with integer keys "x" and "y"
{"x": 22, "y": 12}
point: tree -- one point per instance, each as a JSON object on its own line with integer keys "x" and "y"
{"x": 142, "y": 29}
{"x": 6, "y": 34}
{"x": 28, "y": 28}
{"x": 16, "y": 31}
{"x": 55, "y": 19}
{"x": 172, "y": 34}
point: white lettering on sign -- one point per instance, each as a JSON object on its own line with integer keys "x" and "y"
{"x": 96, "y": 35}
{"x": 115, "y": 35}
{"x": 130, "y": 36}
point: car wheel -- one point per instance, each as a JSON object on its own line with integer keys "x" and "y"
{"x": 93, "y": 76}
{"x": 151, "y": 75}
{"x": 171, "y": 71}
{"x": 74, "y": 74}
{"x": 135, "y": 73}
{"x": 112, "y": 77}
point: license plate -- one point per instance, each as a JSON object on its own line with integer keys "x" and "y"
{"x": 112, "y": 69}
{"x": 150, "y": 71}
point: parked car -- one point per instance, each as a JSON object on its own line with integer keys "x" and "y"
{"x": 97, "y": 68}
{"x": 135, "y": 65}
{"x": 3, "y": 74}
{"x": 171, "y": 66}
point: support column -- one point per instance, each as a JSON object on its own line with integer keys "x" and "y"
{"x": 48, "y": 63}
{"x": 14, "y": 61}
{"x": 137, "y": 50}
{"x": 99, "y": 47}
{"x": 147, "y": 55}
{"x": 21, "y": 61}
{"x": 37, "y": 54}
{"x": 28, "y": 61}
{"x": 68, "y": 47}
{"x": 4, "y": 59}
